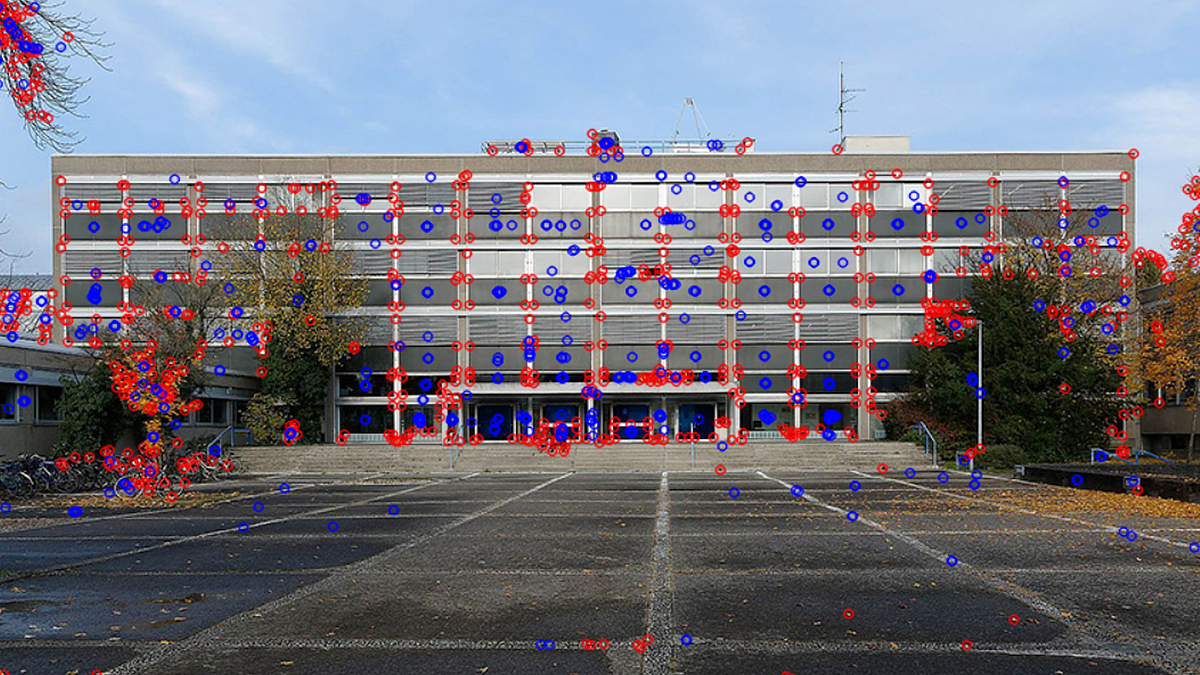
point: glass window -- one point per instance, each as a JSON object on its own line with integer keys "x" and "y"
{"x": 357, "y": 385}
{"x": 546, "y": 197}
{"x": 779, "y": 262}
{"x": 765, "y": 416}
{"x": 910, "y": 325}
{"x": 775, "y": 191}
{"x": 8, "y": 403}
{"x": 578, "y": 264}
{"x": 946, "y": 260}
{"x": 752, "y": 263}
{"x": 889, "y": 196}
{"x": 684, "y": 199}
{"x": 961, "y": 223}
{"x": 215, "y": 411}
{"x": 365, "y": 419}
{"x": 911, "y": 261}
{"x": 510, "y": 263}
{"x": 575, "y": 198}
{"x": 420, "y": 417}
{"x": 815, "y": 196}
{"x": 882, "y": 261}
{"x": 643, "y": 197}
{"x": 706, "y": 197}
{"x": 615, "y": 225}
{"x": 883, "y": 327}
{"x": 482, "y": 263}
{"x": 843, "y": 262}
{"x": 47, "y": 404}
{"x": 700, "y": 224}
{"x": 543, "y": 260}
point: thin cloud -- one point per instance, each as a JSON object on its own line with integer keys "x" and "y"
{"x": 1164, "y": 119}
{"x": 272, "y": 31}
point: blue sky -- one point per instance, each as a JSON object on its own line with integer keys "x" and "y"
{"x": 301, "y": 76}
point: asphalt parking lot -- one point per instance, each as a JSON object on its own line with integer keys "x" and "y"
{"x": 481, "y": 574}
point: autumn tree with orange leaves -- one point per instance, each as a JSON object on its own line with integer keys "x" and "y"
{"x": 1171, "y": 350}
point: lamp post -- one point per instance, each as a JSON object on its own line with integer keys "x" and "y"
{"x": 978, "y": 395}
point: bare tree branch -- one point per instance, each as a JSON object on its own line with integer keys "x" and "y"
{"x": 37, "y": 74}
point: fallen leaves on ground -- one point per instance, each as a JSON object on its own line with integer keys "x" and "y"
{"x": 186, "y": 500}
{"x": 1051, "y": 500}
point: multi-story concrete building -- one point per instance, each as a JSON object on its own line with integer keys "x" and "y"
{"x": 806, "y": 270}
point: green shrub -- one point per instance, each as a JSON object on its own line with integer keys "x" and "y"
{"x": 1001, "y": 457}
{"x": 92, "y": 415}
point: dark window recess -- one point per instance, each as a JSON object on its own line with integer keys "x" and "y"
{"x": 8, "y": 402}
{"x": 214, "y": 412}
{"x": 365, "y": 419}
{"x": 47, "y": 404}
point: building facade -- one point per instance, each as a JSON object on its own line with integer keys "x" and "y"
{"x": 661, "y": 294}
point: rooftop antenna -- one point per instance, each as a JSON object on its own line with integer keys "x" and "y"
{"x": 843, "y": 99}
{"x": 688, "y": 102}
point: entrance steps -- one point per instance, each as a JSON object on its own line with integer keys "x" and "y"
{"x": 623, "y": 457}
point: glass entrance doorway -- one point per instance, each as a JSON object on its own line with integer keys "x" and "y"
{"x": 493, "y": 421}
{"x": 697, "y": 418}
{"x": 630, "y": 416}
{"x": 564, "y": 420}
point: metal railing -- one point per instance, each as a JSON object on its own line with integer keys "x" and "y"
{"x": 1137, "y": 454}
{"x": 232, "y": 431}
{"x": 927, "y": 436}
{"x": 566, "y": 147}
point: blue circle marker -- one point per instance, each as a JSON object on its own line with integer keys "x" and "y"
{"x": 284, "y": 488}
{"x": 943, "y": 477}
{"x": 75, "y": 511}
{"x": 258, "y": 507}
{"x": 1194, "y": 547}
{"x": 333, "y": 526}
{"x": 910, "y": 473}
{"x": 5, "y": 507}
{"x": 852, "y": 516}
{"x": 855, "y": 485}
{"x": 734, "y": 492}
{"x": 951, "y": 560}
{"x": 243, "y": 527}
{"x": 686, "y": 640}
{"x": 1077, "y": 480}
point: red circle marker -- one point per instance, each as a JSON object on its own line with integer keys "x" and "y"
{"x": 720, "y": 469}
{"x": 967, "y": 645}
{"x": 883, "y": 468}
{"x": 1014, "y": 619}
{"x": 849, "y": 614}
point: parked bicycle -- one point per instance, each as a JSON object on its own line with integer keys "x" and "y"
{"x": 14, "y": 481}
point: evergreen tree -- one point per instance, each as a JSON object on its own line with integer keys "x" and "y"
{"x": 1024, "y": 373}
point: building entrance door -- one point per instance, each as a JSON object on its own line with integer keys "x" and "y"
{"x": 564, "y": 420}
{"x": 631, "y": 416}
{"x": 697, "y": 418}
{"x": 494, "y": 421}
